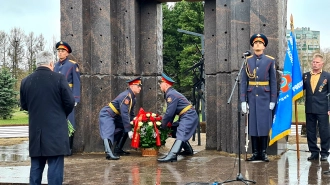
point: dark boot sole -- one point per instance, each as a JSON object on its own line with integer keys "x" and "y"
{"x": 164, "y": 161}
{"x": 110, "y": 158}
{"x": 120, "y": 154}
{"x": 253, "y": 160}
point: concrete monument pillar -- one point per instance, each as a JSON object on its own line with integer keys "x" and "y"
{"x": 228, "y": 27}
{"x": 114, "y": 41}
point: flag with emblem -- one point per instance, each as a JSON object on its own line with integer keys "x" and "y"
{"x": 291, "y": 90}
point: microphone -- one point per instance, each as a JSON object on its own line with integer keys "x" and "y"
{"x": 247, "y": 53}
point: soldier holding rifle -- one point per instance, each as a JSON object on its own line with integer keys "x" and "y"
{"x": 258, "y": 95}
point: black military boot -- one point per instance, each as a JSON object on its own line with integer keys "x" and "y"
{"x": 174, "y": 130}
{"x": 119, "y": 146}
{"x": 71, "y": 144}
{"x": 264, "y": 144}
{"x": 173, "y": 153}
{"x": 255, "y": 151}
{"x": 107, "y": 146}
{"x": 187, "y": 149}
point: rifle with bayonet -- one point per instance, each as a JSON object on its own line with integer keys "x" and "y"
{"x": 246, "y": 133}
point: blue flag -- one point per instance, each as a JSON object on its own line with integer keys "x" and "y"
{"x": 291, "y": 90}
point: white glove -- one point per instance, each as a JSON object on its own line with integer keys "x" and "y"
{"x": 245, "y": 107}
{"x": 130, "y": 134}
{"x": 271, "y": 105}
{"x": 75, "y": 103}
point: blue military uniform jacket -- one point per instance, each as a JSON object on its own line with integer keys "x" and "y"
{"x": 116, "y": 116}
{"x": 258, "y": 89}
{"x": 317, "y": 102}
{"x": 70, "y": 70}
{"x": 177, "y": 104}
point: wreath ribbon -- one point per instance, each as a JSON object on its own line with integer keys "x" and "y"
{"x": 158, "y": 143}
{"x": 136, "y": 136}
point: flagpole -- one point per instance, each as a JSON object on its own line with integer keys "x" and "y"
{"x": 295, "y": 103}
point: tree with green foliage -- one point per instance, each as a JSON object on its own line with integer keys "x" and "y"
{"x": 179, "y": 50}
{"x": 8, "y": 95}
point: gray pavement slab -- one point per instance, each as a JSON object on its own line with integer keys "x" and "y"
{"x": 14, "y": 131}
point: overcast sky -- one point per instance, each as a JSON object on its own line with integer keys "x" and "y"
{"x": 43, "y": 16}
{"x": 38, "y": 16}
{"x": 313, "y": 14}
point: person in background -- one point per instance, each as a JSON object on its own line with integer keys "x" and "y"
{"x": 115, "y": 118}
{"x": 317, "y": 108}
{"x": 70, "y": 70}
{"x": 185, "y": 127}
{"x": 48, "y": 99}
{"x": 258, "y": 95}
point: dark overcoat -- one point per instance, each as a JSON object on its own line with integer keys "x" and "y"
{"x": 47, "y": 97}
{"x": 259, "y": 97}
{"x": 70, "y": 70}
{"x": 111, "y": 122}
{"x": 187, "y": 122}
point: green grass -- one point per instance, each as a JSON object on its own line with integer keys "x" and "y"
{"x": 19, "y": 118}
{"x": 301, "y": 113}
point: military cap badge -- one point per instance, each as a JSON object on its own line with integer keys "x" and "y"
{"x": 167, "y": 79}
{"x": 63, "y": 45}
{"x": 136, "y": 81}
{"x": 259, "y": 37}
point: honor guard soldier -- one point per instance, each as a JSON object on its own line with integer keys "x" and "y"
{"x": 258, "y": 95}
{"x": 115, "y": 118}
{"x": 185, "y": 127}
{"x": 70, "y": 70}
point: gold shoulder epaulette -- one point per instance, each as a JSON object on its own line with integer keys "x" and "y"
{"x": 270, "y": 57}
{"x": 72, "y": 61}
{"x": 249, "y": 56}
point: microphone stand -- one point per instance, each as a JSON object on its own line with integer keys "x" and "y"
{"x": 239, "y": 176}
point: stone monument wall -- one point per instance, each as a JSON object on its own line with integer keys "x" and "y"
{"x": 114, "y": 41}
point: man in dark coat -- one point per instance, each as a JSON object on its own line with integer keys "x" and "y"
{"x": 48, "y": 99}
{"x": 115, "y": 118}
{"x": 258, "y": 95}
{"x": 70, "y": 70}
{"x": 317, "y": 108}
{"x": 185, "y": 127}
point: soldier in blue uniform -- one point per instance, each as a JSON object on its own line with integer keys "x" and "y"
{"x": 258, "y": 95}
{"x": 115, "y": 118}
{"x": 185, "y": 127}
{"x": 70, "y": 70}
